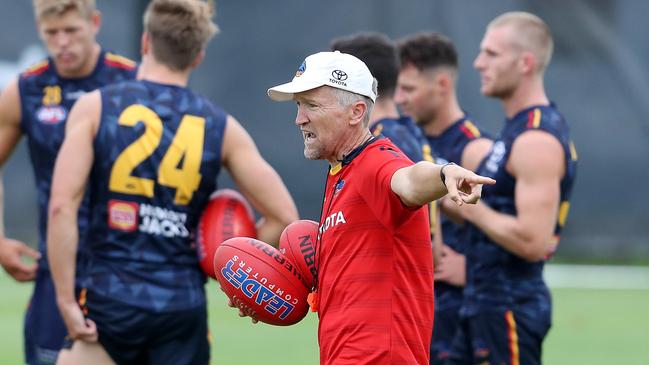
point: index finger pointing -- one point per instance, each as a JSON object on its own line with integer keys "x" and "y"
{"x": 477, "y": 179}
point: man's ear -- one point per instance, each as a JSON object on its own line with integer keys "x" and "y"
{"x": 443, "y": 81}
{"x": 95, "y": 20}
{"x": 528, "y": 62}
{"x": 357, "y": 113}
{"x": 199, "y": 58}
{"x": 144, "y": 44}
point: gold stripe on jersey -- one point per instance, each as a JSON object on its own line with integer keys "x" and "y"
{"x": 378, "y": 129}
{"x": 120, "y": 59}
{"x": 563, "y": 212}
{"x": 537, "y": 118}
{"x": 426, "y": 152}
{"x": 470, "y": 126}
{"x": 36, "y": 68}
{"x": 573, "y": 151}
{"x": 513, "y": 338}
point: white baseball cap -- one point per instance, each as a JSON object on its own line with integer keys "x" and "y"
{"x": 335, "y": 69}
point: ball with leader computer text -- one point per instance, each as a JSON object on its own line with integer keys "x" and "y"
{"x": 260, "y": 281}
{"x": 297, "y": 242}
{"x": 228, "y": 214}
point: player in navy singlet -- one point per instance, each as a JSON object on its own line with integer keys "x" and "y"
{"x": 506, "y": 312}
{"x": 150, "y": 151}
{"x": 36, "y": 105}
{"x": 426, "y": 90}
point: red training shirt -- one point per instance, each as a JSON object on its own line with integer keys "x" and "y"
{"x": 375, "y": 266}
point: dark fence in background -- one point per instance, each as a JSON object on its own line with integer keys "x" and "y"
{"x": 598, "y": 78}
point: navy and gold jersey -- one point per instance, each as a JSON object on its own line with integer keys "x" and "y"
{"x": 157, "y": 158}
{"x": 46, "y": 99}
{"x": 448, "y": 147}
{"x": 496, "y": 278}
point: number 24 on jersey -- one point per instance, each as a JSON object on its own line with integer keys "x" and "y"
{"x": 187, "y": 146}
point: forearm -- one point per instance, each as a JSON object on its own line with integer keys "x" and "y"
{"x": 269, "y": 230}
{"x": 419, "y": 184}
{"x": 271, "y": 198}
{"x": 62, "y": 242}
{"x": 507, "y": 231}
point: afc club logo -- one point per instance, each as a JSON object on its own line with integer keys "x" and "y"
{"x": 301, "y": 70}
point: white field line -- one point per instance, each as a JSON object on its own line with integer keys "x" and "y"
{"x": 597, "y": 277}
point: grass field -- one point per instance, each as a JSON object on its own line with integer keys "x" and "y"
{"x": 590, "y": 327}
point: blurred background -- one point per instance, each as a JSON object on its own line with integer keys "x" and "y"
{"x": 598, "y": 78}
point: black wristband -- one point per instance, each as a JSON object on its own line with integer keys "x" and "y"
{"x": 441, "y": 172}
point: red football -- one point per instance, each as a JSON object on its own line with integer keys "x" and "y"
{"x": 297, "y": 242}
{"x": 227, "y": 215}
{"x": 261, "y": 281}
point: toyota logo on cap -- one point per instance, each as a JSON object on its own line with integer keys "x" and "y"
{"x": 339, "y": 75}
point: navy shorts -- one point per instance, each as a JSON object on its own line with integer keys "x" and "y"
{"x": 446, "y": 324}
{"x": 136, "y": 336}
{"x": 499, "y": 337}
{"x": 44, "y": 329}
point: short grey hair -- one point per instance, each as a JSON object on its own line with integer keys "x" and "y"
{"x": 347, "y": 98}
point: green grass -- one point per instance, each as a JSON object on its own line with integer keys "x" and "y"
{"x": 590, "y": 327}
{"x": 599, "y": 327}
{"x": 235, "y": 340}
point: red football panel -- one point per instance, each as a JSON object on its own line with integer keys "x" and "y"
{"x": 227, "y": 215}
{"x": 298, "y": 243}
{"x": 261, "y": 281}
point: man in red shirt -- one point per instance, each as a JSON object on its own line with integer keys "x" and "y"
{"x": 374, "y": 285}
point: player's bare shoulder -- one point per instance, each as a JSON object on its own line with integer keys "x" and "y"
{"x": 86, "y": 110}
{"x": 536, "y": 152}
{"x": 10, "y": 113}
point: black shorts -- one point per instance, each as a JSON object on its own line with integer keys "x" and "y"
{"x": 44, "y": 328}
{"x": 499, "y": 337}
{"x": 136, "y": 336}
{"x": 446, "y": 324}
